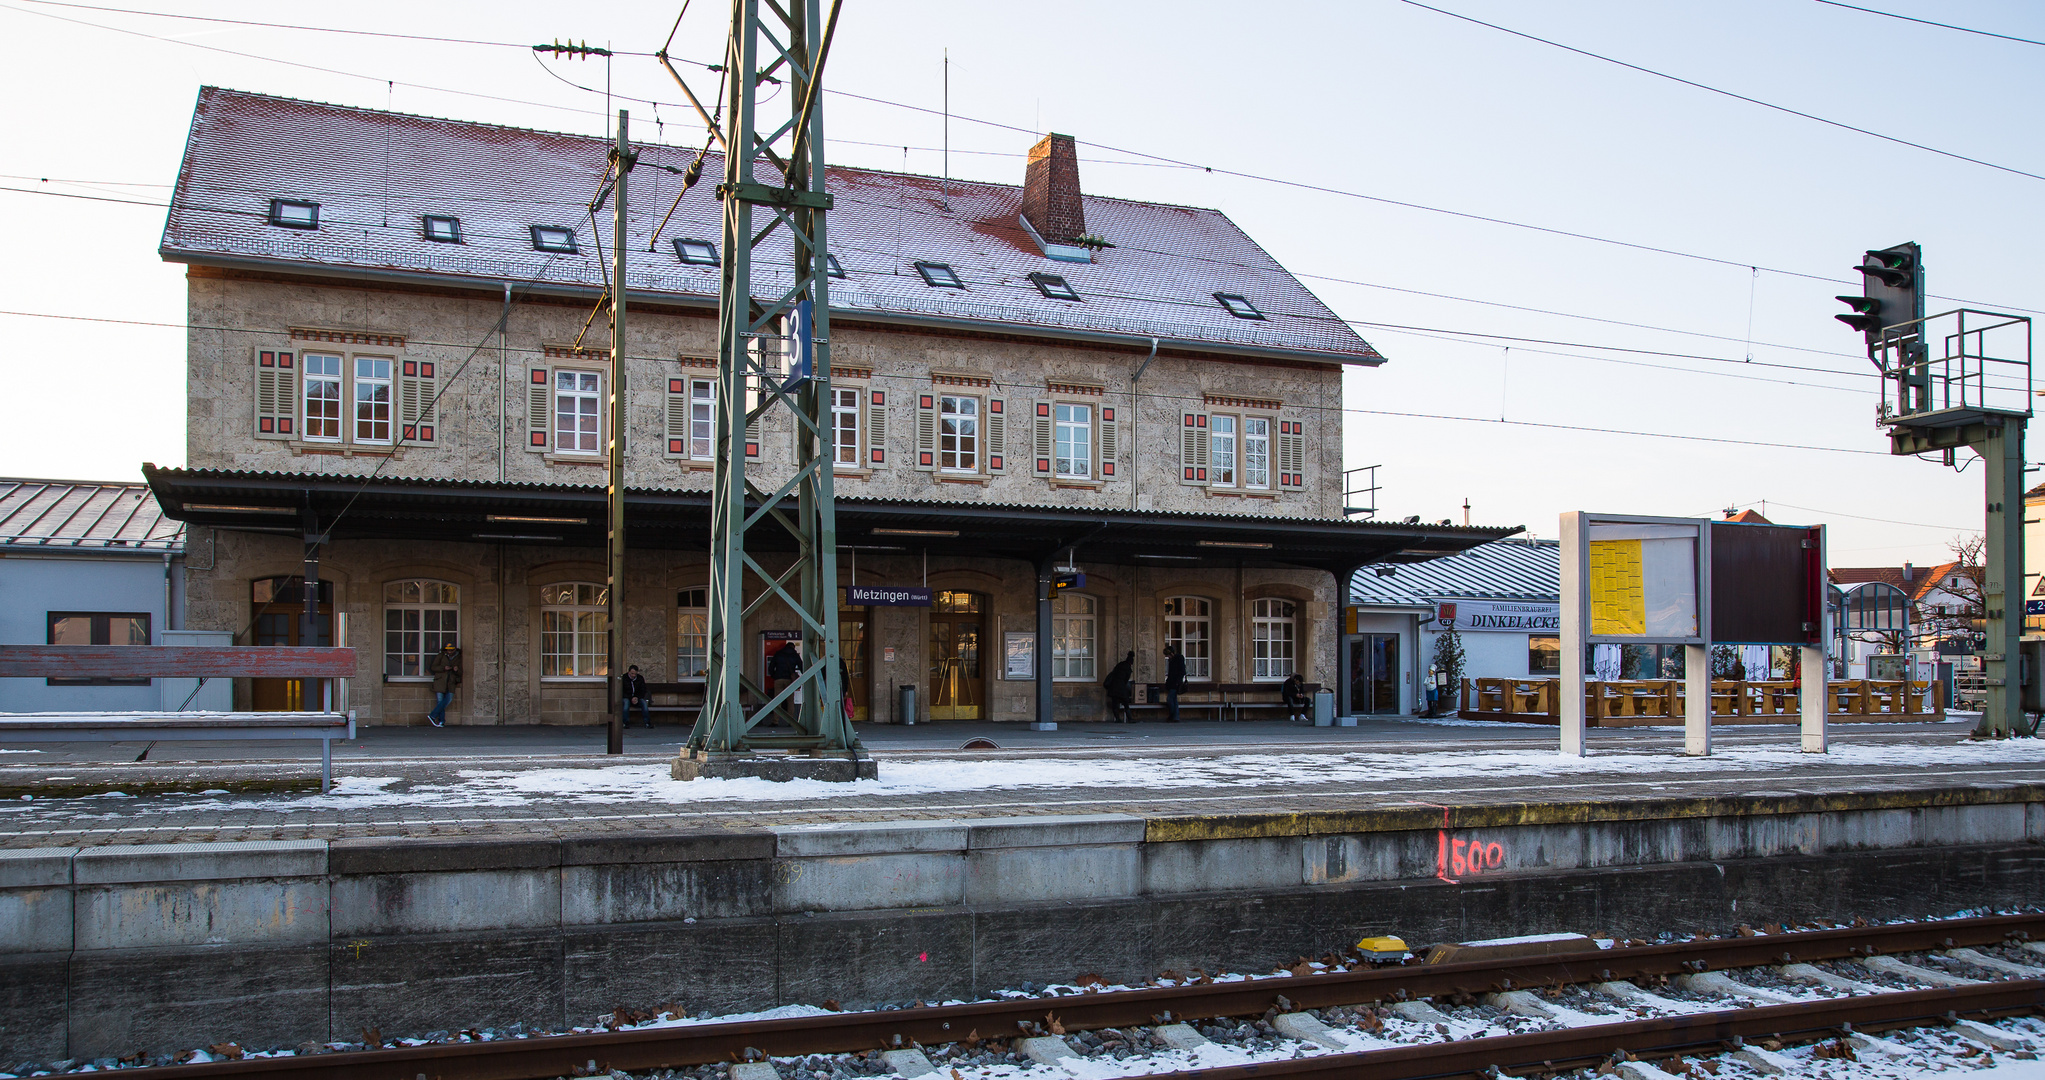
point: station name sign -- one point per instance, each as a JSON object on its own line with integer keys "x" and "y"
{"x": 887, "y": 596}
{"x": 1467, "y": 615}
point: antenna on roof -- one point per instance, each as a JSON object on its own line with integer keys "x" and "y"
{"x": 947, "y": 128}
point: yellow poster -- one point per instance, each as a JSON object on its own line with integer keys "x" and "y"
{"x": 1618, "y": 602}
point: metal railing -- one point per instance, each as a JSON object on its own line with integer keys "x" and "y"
{"x": 1959, "y": 363}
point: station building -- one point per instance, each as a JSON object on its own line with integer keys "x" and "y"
{"x": 395, "y": 385}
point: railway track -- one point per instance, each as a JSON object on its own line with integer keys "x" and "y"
{"x": 1709, "y": 1014}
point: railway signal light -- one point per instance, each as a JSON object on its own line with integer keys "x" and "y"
{"x": 1892, "y": 291}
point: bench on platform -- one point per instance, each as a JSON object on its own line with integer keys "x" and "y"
{"x": 1226, "y": 701}
{"x": 178, "y": 662}
{"x": 675, "y": 697}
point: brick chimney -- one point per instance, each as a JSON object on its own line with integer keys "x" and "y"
{"x": 1051, "y": 190}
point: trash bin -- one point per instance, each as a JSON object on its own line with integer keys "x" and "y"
{"x": 905, "y": 703}
{"x": 1324, "y": 707}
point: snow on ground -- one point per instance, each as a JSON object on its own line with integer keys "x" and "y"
{"x": 650, "y": 785}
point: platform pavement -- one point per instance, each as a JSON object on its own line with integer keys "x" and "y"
{"x": 482, "y": 782}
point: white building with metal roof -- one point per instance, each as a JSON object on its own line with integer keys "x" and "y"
{"x": 1503, "y": 598}
{"x": 86, "y": 563}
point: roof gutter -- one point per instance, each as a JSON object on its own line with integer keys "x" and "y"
{"x": 685, "y": 300}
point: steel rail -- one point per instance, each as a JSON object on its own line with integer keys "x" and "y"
{"x": 1709, "y": 1033}
{"x": 641, "y": 1049}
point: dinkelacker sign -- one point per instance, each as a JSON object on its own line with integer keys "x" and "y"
{"x": 1527, "y": 618}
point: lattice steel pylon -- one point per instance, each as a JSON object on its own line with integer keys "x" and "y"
{"x": 773, "y": 356}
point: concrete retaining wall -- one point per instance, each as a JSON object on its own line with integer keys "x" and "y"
{"x": 106, "y": 951}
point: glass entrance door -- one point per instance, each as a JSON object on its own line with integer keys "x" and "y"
{"x": 279, "y": 604}
{"x": 852, "y": 647}
{"x": 958, "y": 687}
{"x": 1374, "y": 674}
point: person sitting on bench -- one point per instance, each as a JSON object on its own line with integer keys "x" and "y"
{"x": 1294, "y": 694}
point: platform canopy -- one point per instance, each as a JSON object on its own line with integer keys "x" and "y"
{"x": 345, "y": 508}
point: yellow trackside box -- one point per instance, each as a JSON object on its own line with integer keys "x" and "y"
{"x": 1382, "y": 948}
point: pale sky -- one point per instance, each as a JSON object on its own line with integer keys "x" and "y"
{"x": 1376, "y": 98}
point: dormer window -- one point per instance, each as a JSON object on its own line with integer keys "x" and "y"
{"x": 554, "y": 238}
{"x": 696, "y": 252}
{"x": 939, "y": 275}
{"x": 293, "y": 214}
{"x": 1054, "y": 287}
{"x": 442, "y": 230}
{"x": 834, "y": 268}
{"x": 1238, "y": 306}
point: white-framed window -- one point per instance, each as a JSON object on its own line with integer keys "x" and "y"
{"x": 372, "y": 399}
{"x": 845, "y": 427}
{"x": 1271, "y": 640}
{"x": 574, "y": 625}
{"x": 958, "y": 433}
{"x": 322, "y": 397}
{"x": 702, "y": 417}
{"x": 1189, "y": 628}
{"x": 692, "y": 634}
{"x": 419, "y": 617}
{"x": 1072, "y": 637}
{"x": 578, "y": 416}
{"x": 1256, "y": 451}
{"x": 1074, "y": 435}
{"x": 1221, "y": 450}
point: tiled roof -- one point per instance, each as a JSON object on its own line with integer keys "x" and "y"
{"x": 69, "y": 515}
{"x": 375, "y": 174}
{"x": 1511, "y": 569}
{"x": 1922, "y": 580}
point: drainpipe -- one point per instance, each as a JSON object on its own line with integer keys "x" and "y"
{"x": 503, "y": 373}
{"x": 1136, "y": 431}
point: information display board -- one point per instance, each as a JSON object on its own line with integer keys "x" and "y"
{"x": 1642, "y": 581}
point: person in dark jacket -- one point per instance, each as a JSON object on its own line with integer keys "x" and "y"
{"x": 446, "y": 669}
{"x": 1175, "y": 681}
{"x": 1121, "y": 690}
{"x": 1293, "y": 692}
{"x": 634, "y": 690}
{"x": 783, "y": 665}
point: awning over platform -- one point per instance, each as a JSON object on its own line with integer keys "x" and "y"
{"x": 344, "y": 508}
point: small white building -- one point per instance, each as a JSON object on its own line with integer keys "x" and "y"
{"x": 1503, "y": 598}
{"x": 86, "y": 563}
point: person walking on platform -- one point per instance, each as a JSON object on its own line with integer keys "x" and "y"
{"x": 1121, "y": 690}
{"x": 635, "y": 695}
{"x": 1175, "y": 681}
{"x": 446, "y": 669}
{"x": 1293, "y": 692}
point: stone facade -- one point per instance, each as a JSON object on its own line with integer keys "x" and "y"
{"x": 482, "y": 381}
{"x": 483, "y": 431}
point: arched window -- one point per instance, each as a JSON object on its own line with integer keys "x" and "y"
{"x": 574, "y": 624}
{"x": 418, "y": 618}
{"x": 1072, "y": 636}
{"x": 692, "y": 634}
{"x": 1271, "y": 639}
{"x": 1189, "y": 629}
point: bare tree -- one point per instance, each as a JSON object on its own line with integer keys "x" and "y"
{"x": 1962, "y": 610}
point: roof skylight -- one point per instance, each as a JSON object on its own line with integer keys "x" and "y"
{"x": 294, "y": 214}
{"x": 696, "y": 252}
{"x": 1054, "y": 286}
{"x": 554, "y": 238}
{"x": 1238, "y": 306}
{"x": 442, "y": 230}
{"x": 939, "y": 275}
